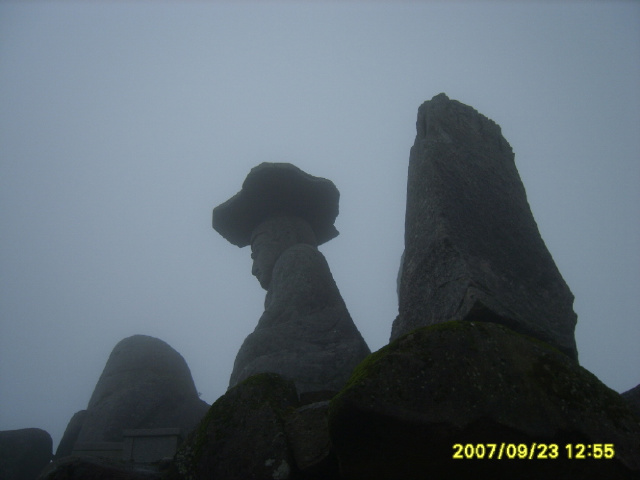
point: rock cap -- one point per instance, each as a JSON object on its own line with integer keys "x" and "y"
{"x": 278, "y": 189}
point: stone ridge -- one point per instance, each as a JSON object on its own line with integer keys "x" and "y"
{"x": 472, "y": 246}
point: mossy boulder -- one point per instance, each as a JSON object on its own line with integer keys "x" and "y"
{"x": 407, "y": 405}
{"x": 242, "y": 437}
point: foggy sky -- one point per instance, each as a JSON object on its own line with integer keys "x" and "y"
{"x": 123, "y": 124}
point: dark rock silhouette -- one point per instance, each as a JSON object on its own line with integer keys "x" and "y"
{"x": 24, "y": 453}
{"x": 65, "y": 447}
{"x": 305, "y": 333}
{"x": 633, "y": 398}
{"x": 461, "y": 382}
{"x": 472, "y": 247}
{"x": 145, "y": 384}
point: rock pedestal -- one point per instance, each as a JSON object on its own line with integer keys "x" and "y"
{"x": 472, "y": 248}
{"x": 305, "y": 333}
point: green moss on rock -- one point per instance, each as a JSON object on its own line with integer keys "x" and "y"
{"x": 473, "y": 382}
{"x": 242, "y": 434}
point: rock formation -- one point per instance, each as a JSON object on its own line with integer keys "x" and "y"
{"x": 478, "y": 383}
{"x": 472, "y": 247}
{"x": 65, "y": 447}
{"x": 24, "y": 453}
{"x": 633, "y": 397}
{"x": 485, "y": 384}
{"x": 305, "y": 333}
{"x": 145, "y": 384}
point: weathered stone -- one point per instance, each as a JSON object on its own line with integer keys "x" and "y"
{"x": 308, "y": 433}
{"x": 305, "y": 333}
{"x": 242, "y": 436}
{"x": 88, "y": 468}
{"x": 24, "y": 453}
{"x": 461, "y": 382}
{"x": 633, "y": 398}
{"x": 65, "y": 447}
{"x": 472, "y": 248}
{"x": 145, "y": 384}
{"x": 278, "y": 188}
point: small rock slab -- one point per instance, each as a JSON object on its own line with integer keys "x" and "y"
{"x": 308, "y": 433}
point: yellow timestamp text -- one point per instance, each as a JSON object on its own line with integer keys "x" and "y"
{"x": 533, "y": 451}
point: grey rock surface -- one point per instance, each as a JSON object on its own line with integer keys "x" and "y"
{"x": 65, "y": 447}
{"x": 145, "y": 384}
{"x": 280, "y": 188}
{"x": 472, "y": 246}
{"x": 24, "y": 453}
{"x": 305, "y": 333}
{"x": 475, "y": 383}
{"x": 633, "y": 398}
{"x": 242, "y": 436}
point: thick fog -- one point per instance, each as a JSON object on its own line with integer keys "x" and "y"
{"x": 122, "y": 124}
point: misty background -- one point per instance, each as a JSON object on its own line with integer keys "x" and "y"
{"x": 123, "y": 124}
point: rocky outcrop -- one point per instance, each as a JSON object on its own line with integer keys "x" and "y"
{"x": 145, "y": 384}
{"x": 305, "y": 333}
{"x": 472, "y": 248}
{"x": 469, "y": 383}
{"x": 24, "y": 453}
{"x": 65, "y": 447}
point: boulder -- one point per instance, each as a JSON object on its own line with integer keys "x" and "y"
{"x": 407, "y": 406}
{"x": 472, "y": 247}
{"x": 24, "y": 453}
{"x": 633, "y": 398}
{"x": 145, "y": 384}
{"x": 243, "y": 434}
{"x": 65, "y": 447}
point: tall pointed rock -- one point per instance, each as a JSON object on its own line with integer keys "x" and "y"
{"x": 472, "y": 247}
